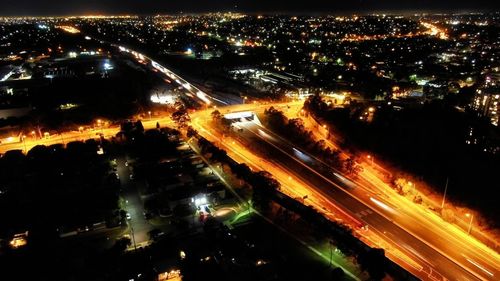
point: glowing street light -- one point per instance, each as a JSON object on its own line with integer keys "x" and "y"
{"x": 371, "y": 158}
{"x": 149, "y": 112}
{"x": 100, "y": 125}
{"x": 470, "y": 222}
{"x": 412, "y": 185}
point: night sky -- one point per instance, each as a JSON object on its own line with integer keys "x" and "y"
{"x": 79, "y": 7}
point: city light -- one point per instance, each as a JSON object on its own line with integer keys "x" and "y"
{"x": 271, "y": 124}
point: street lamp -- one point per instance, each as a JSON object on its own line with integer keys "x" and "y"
{"x": 412, "y": 185}
{"x": 470, "y": 222}
{"x": 371, "y": 158}
{"x": 149, "y": 112}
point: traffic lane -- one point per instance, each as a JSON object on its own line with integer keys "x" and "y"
{"x": 419, "y": 251}
{"x": 448, "y": 268}
{"x": 473, "y": 258}
{"x": 458, "y": 251}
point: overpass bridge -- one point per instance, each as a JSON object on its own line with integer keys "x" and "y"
{"x": 239, "y": 117}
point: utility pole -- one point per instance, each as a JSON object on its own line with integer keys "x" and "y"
{"x": 445, "y": 190}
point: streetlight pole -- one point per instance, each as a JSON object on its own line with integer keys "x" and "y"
{"x": 149, "y": 112}
{"x": 444, "y": 195}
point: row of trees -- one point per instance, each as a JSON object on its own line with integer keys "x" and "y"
{"x": 295, "y": 131}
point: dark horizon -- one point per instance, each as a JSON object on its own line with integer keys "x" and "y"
{"x": 313, "y": 7}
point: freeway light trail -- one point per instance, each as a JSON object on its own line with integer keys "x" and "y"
{"x": 478, "y": 265}
{"x": 382, "y": 205}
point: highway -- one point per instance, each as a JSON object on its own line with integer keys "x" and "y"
{"x": 474, "y": 252}
{"x": 190, "y": 90}
{"x": 371, "y": 179}
{"x": 402, "y": 229}
{"x": 430, "y": 244}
